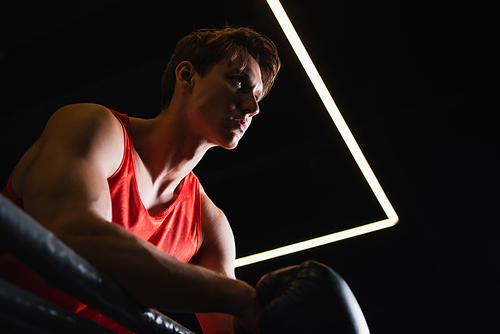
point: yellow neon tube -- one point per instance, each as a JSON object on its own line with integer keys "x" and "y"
{"x": 351, "y": 143}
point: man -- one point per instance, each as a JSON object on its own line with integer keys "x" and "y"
{"x": 120, "y": 191}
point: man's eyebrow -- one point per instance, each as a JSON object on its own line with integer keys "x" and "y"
{"x": 246, "y": 76}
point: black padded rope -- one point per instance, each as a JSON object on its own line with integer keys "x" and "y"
{"x": 26, "y": 239}
{"x": 26, "y": 313}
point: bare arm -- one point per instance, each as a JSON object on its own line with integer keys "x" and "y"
{"x": 217, "y": 253}
{"x": 65, "y": 189}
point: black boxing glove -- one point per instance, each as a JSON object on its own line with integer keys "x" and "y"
{"x": 310, "y": 298}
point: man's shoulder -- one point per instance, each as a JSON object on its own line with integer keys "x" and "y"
{"x": 89, "y": 120}
{"x": 86, "y": 129}
{"x": 79, "y": 133}
{"x": 83, "y": 113}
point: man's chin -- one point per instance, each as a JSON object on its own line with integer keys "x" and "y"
{"x": 231, "y": 145}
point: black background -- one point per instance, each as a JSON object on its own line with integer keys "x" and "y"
{"x": 416, "y": 83}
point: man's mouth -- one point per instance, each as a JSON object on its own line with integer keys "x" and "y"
{"x": 243, "y": 124}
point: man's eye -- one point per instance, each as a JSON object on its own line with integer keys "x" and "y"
{"x": 238, "y": 80}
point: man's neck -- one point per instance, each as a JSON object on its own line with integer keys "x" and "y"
{"x": 166, "y": 152}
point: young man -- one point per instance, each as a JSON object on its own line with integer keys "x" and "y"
{"x": 120, "y": 191}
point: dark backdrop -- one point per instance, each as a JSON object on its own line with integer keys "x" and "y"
{"x": 416, "y": 83}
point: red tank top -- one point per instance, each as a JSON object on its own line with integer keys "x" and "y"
{"x": 176, "y": 230}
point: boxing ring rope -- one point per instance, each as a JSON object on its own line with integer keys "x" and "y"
{"x": 23, "y": 312}
{"x": 38, "y": 248}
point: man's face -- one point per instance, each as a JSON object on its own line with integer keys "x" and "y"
{"x": 225, "y": 100}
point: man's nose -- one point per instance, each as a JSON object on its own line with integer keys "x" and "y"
{"x": 250, "y": 105}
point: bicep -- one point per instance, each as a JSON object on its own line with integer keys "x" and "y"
{"x": 217, "y": 251}
{"x": 59, "y": 185}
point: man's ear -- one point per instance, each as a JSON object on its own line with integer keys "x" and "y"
{"x": 184, "y": 73}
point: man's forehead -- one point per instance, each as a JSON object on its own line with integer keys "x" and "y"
{"x": 243, "y": 63}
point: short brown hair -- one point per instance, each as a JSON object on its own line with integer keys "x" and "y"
{"x": 206, "y": 47}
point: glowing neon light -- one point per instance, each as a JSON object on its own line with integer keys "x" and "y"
{"x": 331, "y": 107}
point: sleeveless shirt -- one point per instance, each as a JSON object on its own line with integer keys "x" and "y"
{"x": 176, "y": 230}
